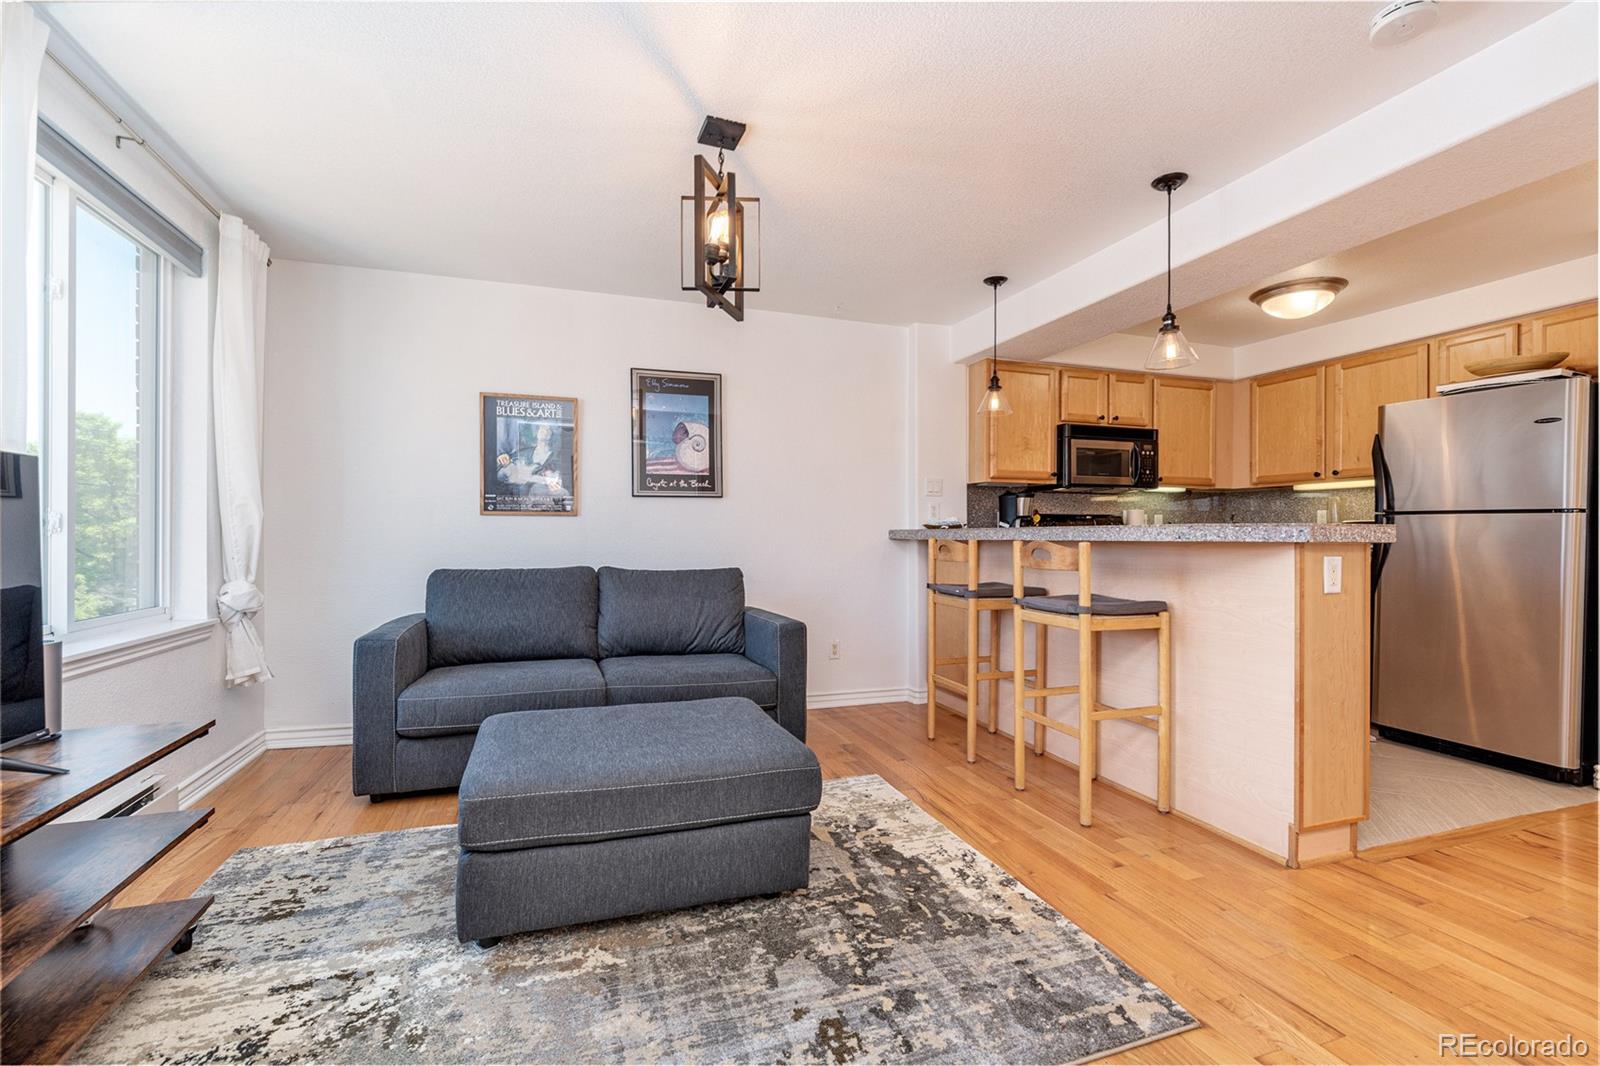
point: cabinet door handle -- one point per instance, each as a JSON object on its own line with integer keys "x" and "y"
{"x": 1336, "y": 473}
{"x": 1115, "y": 418}
{"x": 1099, "y": 418}
{"x": 1316, "y": 473}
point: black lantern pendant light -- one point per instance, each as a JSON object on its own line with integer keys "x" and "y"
{"x": 994, "y": 400}
{"x": 1172, "y": 349}
{"x": 721, "y": 230}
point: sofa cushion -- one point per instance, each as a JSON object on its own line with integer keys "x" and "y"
{"x": 660, "y": 678}
{"x": 487, "y": 616}
{"x": 456, "y": 699}
{"x": 671, "y": 612}
{"x": 541, "y": 778}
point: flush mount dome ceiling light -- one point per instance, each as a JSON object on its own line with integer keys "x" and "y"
{"x": 1172, "y": 349}
{"x": 720, "y": 231}
{"x": 1299, "y": 298}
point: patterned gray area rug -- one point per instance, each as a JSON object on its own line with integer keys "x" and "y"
{"x": 908, "y": 947}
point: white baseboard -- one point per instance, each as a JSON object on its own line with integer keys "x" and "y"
{"x": 309, "y": 736}
{"x": 816, "y": 701}
{"x": 330, "y": 736}
{"x": 194, "y": 787}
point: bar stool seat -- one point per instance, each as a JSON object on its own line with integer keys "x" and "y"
{"x": 1111, "y": 605}
{"x": 987, "y": 590}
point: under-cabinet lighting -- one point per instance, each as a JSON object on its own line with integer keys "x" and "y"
{"x": 1169, "y": 488}
{"x": 1321, "y": 486}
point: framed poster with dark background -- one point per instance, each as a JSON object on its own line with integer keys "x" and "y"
{"x": 528, "y": 454}
{"x": 677, "y": 433}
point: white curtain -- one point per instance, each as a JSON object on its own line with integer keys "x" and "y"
{"x": 22, "y": 40}
{"x": 236, "y": 367}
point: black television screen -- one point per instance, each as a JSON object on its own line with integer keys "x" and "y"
{"x": 21, "y": 599}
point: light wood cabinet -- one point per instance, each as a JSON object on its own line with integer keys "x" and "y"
{"x": 1451, "y": 354}
{"x": 1103, "y": 396}
{"x": 1286, "y": 426}
{"x": 1130, "y": 400}
{"x": 1184, "y": 413}
{"x": 1357, "y": 387}
{"x": 1083, "y": 395}
{"x": 1018, "y": 448}
{"x": 1568, "y": 329}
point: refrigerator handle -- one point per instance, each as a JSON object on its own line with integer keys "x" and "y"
{"x": 1385, "y": 484}
{"x": 1380, "y": 555}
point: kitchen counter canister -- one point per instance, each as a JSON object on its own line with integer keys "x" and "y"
{"x": 1191, "y": 533}
{"x": 1270, "y": 667}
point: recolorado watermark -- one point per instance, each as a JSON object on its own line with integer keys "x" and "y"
{"x": 1473, "y": 1046}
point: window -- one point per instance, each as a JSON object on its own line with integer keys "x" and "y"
{"x": 95, "y": 410}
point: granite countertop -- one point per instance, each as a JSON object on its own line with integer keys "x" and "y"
{"x": 1175, "y": 533}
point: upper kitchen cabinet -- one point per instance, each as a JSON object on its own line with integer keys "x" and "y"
{"x": 1286, "y": 426}
{"x": 1357, "y": 387}
{"x": 1101, "y": 396}
{"x": 1018, "y": 448}
{"x": 1568, "y": 329}
{"x": 1185, "y": 417}
{"x": 1451, "y": 354}
{"x": 1083, "y": 395}
{"x": 1131, "y": 399}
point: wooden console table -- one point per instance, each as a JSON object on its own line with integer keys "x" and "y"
{"x": 59, "y": 976}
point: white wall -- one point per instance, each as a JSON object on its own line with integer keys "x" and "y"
{"x": 183, "y": 683}
{"x": 371, "y": 464}
{"x": 1520, "y": 294}
{"x": 1128, "y": 351}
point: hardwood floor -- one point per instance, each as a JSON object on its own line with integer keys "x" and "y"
{"x": 1358, "y": 961}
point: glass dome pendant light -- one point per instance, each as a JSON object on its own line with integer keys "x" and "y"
{"x": 1172, "y": 349}
{"x": 994, "y": 401}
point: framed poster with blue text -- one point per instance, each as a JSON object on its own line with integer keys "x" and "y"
{"x": 528, "y": 454}
{"x": 677, "y": 433}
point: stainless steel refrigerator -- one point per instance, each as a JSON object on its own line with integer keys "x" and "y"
{"x": 1483, "y": 604}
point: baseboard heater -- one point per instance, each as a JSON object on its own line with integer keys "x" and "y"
{"x": 138, "y": 794}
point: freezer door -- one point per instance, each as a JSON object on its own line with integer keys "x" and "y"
{"x": 1520, "y": 447}
{"x": 1480, "y": 624}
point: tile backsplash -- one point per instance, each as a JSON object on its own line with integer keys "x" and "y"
{"x": 1196, "y": 505}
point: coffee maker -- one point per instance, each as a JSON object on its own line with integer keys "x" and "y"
{"x": 1016, "y": 508}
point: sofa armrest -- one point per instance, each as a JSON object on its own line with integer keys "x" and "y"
{"x": 779, "y": 644}
{"x": 386, "y": 660}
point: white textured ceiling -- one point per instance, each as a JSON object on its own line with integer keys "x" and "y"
{"x": 1537, "y": 225}
{"x": 903, "y": 151}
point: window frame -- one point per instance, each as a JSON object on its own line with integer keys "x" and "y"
{"x": 58, "y": 417}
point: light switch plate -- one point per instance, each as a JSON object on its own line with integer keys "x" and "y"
{"x": 935, "y": 487}
{"x": 1332, "y": 574}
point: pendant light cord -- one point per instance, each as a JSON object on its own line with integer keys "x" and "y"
{"x": 994, "y": 348}
{"x": 1169, "y": 250}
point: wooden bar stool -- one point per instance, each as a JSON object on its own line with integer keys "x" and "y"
{"x": 972, "y": 597}
{"x": 1090, "y": 615}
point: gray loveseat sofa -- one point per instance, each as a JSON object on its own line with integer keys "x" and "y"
{"x": 492, "y": 641}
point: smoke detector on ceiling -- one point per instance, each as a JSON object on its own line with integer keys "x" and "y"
{"x": 1402, "y": 20}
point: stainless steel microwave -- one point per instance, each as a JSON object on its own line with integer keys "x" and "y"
{"x": 1100, "y": 457}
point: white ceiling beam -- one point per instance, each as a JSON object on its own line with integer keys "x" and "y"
{"x": 1520, "y": 110}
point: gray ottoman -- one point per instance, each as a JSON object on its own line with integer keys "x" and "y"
{"x": 576, "y": 815}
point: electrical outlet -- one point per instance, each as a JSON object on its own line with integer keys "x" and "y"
{"x": 935, "y": 487}
{"x": 1332, "y": 574}
{"x": 833, "y": 650}
{"x": 933, "y": 512}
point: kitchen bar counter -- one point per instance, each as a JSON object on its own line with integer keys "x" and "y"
{"x": 1270, "y": 666}
{"x": 1186, "y": 533}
